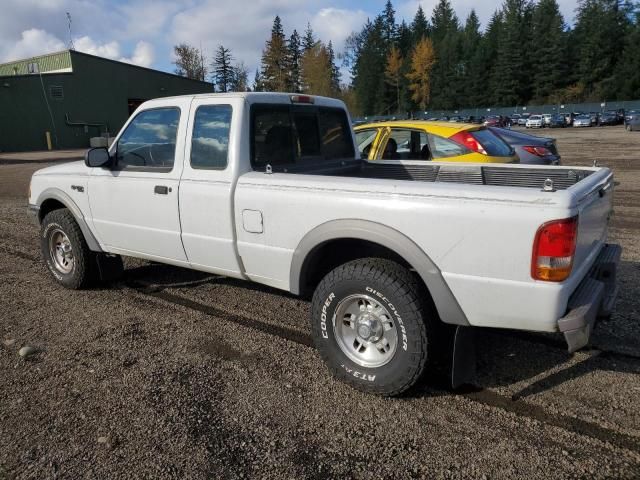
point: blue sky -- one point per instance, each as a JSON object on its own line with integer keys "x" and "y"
{"x": 144, "y": 31}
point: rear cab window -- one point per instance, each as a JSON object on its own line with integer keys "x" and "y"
{"x": 290, "y": 135}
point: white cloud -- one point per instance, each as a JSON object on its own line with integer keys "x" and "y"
{"x": 34, "y": 42}
{"x": 336, "y": 24}
{"x": 88, "y": 45}
{"x": 143, "y": 55}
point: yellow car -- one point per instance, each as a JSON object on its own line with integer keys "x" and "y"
{"x": 437, "y": 141}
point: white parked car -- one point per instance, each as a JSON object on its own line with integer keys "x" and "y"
{"x": 547, "y": 119}
{"x": 269, "y": 188}
{"x": 584, "y": 120}
{"x": 535, "y": 121}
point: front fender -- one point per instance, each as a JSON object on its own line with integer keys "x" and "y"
{"x": 57, "y": 194}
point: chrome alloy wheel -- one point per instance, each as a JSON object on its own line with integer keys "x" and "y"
{"x": 61, "y": 252}
{"x": 365, "y": 331}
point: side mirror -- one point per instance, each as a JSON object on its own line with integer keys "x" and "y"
{"x": 97, "y": 157}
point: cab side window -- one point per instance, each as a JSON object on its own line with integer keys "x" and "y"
{"x": 364, "y": 140}
{"x": 149, "y": 141}
{"x": 406, "y": 145}
{"x": 210, "y": 139}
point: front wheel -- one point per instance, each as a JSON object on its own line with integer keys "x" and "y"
{"x": 65, "y": 250}
{"x": 370, "y": 323}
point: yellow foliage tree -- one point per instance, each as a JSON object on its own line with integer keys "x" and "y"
{"x": 392, "y": 71}
{"x": 422, "y": 59}
{"x": 315, "y": 67}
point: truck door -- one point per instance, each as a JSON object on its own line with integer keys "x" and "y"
{"x": 207, "y": 185}
{"x": 134, "y": 204}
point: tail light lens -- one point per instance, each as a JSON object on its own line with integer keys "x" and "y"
{"x": 553, "y": 250}
{"x": 539, "y": 151}
{"x": 468, "y": 140}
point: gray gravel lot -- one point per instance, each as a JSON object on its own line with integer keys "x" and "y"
{"x": 171, "y": 373}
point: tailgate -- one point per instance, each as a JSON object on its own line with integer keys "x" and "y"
{"x": 594, "y": 209}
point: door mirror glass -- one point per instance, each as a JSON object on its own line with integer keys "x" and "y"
{"x": 97, "y": 157}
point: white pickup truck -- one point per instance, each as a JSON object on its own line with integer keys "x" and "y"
{"x": 268, "y": 187}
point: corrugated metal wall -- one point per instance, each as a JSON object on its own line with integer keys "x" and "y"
{"x": 96, "y": 93}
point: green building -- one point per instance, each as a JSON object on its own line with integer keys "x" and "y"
{"x": 75, "y": 96}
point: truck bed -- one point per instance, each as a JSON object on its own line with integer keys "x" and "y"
{"x": 473, "y": 174}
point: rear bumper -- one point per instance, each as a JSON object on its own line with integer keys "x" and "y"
{"x": 594, "y": 297}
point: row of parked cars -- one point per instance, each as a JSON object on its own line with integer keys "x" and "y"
{"x": 575, "y": 119}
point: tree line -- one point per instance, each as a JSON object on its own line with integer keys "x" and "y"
{"x": 526, "y": 55}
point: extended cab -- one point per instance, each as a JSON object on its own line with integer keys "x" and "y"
{"x": 270, "y": 188}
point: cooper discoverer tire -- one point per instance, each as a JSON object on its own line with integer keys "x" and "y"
{"x": 65, "y": 250}
{"x": 370, "y": 324}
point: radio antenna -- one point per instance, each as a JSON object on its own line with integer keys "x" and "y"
{"x": 71, "y": 45}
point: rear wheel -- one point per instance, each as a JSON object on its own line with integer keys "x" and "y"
{"x": 65, "y": 250}
{"x": 370, "y": 325}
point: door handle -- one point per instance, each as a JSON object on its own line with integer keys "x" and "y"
{"x": 161, "y": 189}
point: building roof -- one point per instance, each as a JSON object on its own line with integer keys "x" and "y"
{"x": 62, "y": 62}
{"x": 58, "y": 62}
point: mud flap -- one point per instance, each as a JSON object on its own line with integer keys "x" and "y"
{"x": 110, "y": 267}
{"x": 463, "y": 368}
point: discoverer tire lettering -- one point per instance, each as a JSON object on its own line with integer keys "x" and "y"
{"x": 385, "y": 284}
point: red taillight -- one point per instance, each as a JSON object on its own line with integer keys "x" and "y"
{"x": 539, "y": 151}
{"x": 468, "y": 140}
{"x": 553, "y": 249}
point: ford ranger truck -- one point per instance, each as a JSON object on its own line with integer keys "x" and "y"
{"x": 269, "y": 188}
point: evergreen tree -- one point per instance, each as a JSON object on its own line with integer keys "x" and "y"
{"x": 222, "y": 69}
{"x": 335, "y": 70}
{"x": 628, "y": 70}
{"x": 470, "y": 45}
{"x": 548, "y": 49}
{"x": 419, "y": 26}
{"x": 486, "y": 61}
{"x": 257, "y": 82}
{"x": 368, "y": 79}
{"x": 513, "y": 76}
{"x": 275, "y": 77}
{"x": 599, "y": 26}
{"x": 389, "y": 21}
{"x": 309, "y": 40}
{"x": 294, "y": 54}
{"x": 446, "y": 75}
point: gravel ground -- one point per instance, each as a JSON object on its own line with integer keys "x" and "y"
{"x": 178, "y": 374}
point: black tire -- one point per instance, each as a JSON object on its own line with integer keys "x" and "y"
{"x": 399, "y": 292}
{"x": 83, "y": 271}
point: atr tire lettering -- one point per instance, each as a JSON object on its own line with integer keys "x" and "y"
{"x": 323, "y": 315}
{"x": 403, "y": 330}
{"x": 357, "y": 374}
